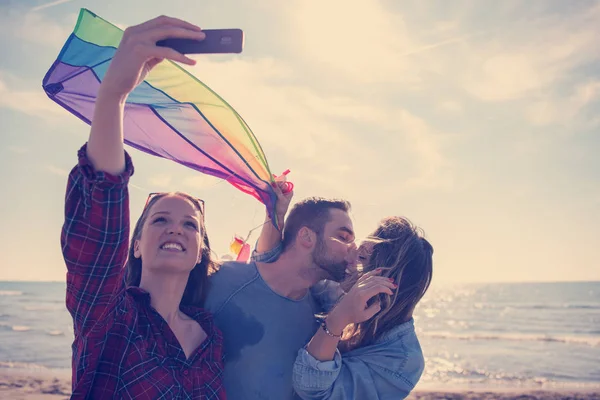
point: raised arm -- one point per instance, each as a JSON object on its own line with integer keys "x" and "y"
{"x": 94, "y": 239}
{"x": 271, "y": 236}
{"x": 95, "y": 234}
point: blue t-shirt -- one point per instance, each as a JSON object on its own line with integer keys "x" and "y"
{"x": 262, "y": 330}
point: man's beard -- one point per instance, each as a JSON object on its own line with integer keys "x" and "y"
{"x": 335, "y": 271}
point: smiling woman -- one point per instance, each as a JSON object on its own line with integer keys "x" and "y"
{"x": 140, "y": 329}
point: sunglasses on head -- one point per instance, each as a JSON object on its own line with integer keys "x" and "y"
{"x": 152, "y": 195}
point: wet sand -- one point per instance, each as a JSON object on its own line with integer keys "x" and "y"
{"x": 46, "y": 385}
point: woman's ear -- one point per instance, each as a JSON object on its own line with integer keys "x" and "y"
{"x": 136, "y": 249}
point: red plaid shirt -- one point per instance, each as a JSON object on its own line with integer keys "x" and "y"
{"x": 123, "y": 348}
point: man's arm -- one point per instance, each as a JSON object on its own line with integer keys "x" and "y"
{"x": 271, "y": 235}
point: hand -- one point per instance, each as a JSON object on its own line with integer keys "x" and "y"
{"x": 138, "y": 53}
{"x": 352, "y": 308}
{"x": 283, "y": 199}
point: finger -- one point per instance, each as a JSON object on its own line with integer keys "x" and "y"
{"x": 277, "y": 190}
{"x": 367, "y": 293}
{"x": 169, "y": 54}
{"x": 376, "y": 280}
{"x": 371, "y": 311}
{"x": 374, "y": 272}
{"x": 369, "y": 275}
{"x": 174, "y": 32}
{"x": 154, "y": 62}
{"x": 288, "y": 187}
{"x": 282, "y": 186}
{"x": 163, "y": 20}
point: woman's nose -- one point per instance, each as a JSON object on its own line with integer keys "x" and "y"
{"x": 174, "y": 229}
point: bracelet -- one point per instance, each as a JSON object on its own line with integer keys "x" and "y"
{"x": 328, "y": 332}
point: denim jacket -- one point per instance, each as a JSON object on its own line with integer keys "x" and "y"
{"x": 388, "y": 369}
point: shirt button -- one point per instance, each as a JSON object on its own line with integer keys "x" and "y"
{"x": 185, "y": 372}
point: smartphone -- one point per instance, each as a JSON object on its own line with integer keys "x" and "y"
{"x": 217, "y": 41}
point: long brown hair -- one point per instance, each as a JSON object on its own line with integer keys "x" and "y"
{"x": 402, "y": 252}
{"x": 197, "y": 284}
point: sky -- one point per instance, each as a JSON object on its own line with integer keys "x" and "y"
{"x": 478, "y": 120}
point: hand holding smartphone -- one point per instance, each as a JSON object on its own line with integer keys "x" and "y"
{"x": 217, "y": 41}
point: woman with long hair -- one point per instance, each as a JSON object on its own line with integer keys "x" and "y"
{"x": 140, "y": 329}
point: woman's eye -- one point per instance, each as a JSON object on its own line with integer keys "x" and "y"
{"x": 159, "y": 219}
{"x": 193, "y": 225}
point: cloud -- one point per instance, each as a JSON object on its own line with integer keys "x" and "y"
{"x": 50, "y": 4}
{"x": 137, "y": 187}
{"x": 336, "y": 40}
{"x": 495, "y": 53}
{"x": 17, "y": 149}
{"x": 201, "y": 181}
{"x": 37, "y": 28}
{"x": 451, "y": 106}
{"x": 327, "y": 135}
{"x": 56, "y": 170}
{"x": 15, "y": 96}
{"x": 565, "y": 109}
{"x": 503, "y": 66}
{"x": 160, "y": 181}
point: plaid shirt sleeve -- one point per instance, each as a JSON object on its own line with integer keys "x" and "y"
{"x": 94, "y": 239}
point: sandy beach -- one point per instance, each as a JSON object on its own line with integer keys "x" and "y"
{"x": 505, "y": 395}
{"x": 42, "y": 385}
{"x": 22, "y": 385}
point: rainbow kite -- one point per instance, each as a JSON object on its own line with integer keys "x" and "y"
{"x": 171, "y": 114}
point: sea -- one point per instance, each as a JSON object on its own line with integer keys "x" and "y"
{"x": 512, "y": 335}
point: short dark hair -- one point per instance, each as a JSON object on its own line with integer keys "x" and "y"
{"x": 313, "y": 213}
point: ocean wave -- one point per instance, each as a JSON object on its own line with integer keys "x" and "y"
{"x": 589, "y": 341}
{"x": 10, "y": 293}
{"x": 38, "y": 300}
{"x": 25, "y": 328}
{"x": 564, "y": 306}
{"x": 21, "y": 328}
{"x": 45, "y": 308}
{"x": 450, "y": 373}
{"x": 561, "y": 306}
{"x": 21, "y": 365}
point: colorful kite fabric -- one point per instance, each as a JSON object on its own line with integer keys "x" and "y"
{"x": 171, "y": 114}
